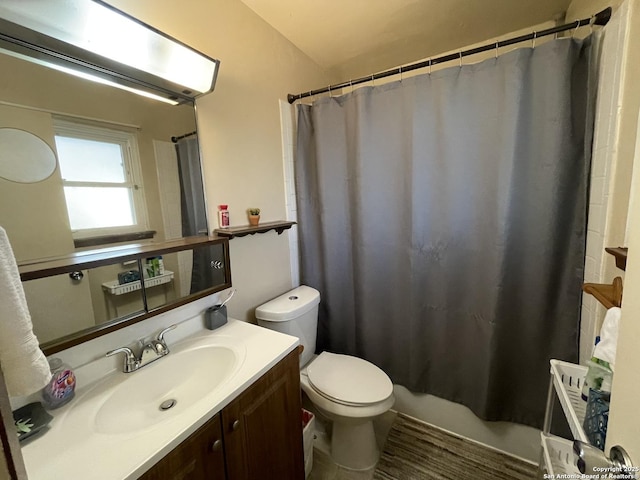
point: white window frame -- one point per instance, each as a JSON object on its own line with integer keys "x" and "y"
{"x": 129, "y": 144}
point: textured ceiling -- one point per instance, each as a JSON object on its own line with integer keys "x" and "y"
{"x": 353, "y": 38}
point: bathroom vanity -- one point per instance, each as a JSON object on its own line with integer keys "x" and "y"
{"x": 236, "y": 413}
{"x": 258, "y": 435}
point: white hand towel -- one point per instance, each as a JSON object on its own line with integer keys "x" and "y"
{"x": 606, "y": 348}
{"x": 23, "y": 364}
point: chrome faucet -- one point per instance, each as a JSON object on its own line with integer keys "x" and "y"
{"x": 151, "y": 351}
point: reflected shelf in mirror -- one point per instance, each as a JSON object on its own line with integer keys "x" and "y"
{"x": 47, "y": 267}
{"x": 75, "y": 299}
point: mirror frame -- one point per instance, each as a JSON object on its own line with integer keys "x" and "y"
{"x": 108, "y": 256}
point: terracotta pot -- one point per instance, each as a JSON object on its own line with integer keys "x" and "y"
{"x": 254, "y": 220}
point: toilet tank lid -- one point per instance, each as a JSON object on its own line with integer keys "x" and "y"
{"x": 290, "y": 305}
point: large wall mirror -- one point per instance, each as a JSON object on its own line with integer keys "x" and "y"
{"x": 84, "y": 303}
{"x": 113, "y": 148}
{"x": 101, "y": 135}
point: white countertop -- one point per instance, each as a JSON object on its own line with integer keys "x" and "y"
{"x": 73, "y": 449}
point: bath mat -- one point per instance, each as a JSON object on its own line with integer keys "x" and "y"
{"x": 417, "y": 451}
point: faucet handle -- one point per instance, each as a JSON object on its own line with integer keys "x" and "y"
{"x": 161, "y": 334}
{"x": 130, "y": 362}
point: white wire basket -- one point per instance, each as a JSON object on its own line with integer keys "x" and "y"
{"x": 558, "y": 456}
{"x": 114, "y": 288}
{"x": 568, "y": 379}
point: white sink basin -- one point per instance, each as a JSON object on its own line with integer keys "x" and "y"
{"x": 130, "y": 402}
{"x": 113, "y": 428}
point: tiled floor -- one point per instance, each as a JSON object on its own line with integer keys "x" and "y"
{"x": 415, "y": 449}
{"x": 325, "y": 469}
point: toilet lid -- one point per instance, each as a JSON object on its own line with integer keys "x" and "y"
{"x": 348, "y": 379}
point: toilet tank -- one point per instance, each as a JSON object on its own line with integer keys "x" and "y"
{"x": 294, "y": 313}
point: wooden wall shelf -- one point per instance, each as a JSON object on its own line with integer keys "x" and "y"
{"x": 243, "y": 230}
{"x": 608, "y": 295}
{"x": 620, "y": 254}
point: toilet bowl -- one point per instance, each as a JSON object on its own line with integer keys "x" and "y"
{"x": 351, "y": 392}
{"x": 348, "y": 390}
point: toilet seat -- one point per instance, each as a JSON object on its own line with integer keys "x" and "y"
{"x": 348, "y": 380}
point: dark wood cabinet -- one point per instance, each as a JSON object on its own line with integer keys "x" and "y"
{"x": 257, "y": 436}
{"x": 200, "y": 457}
{"x": 262, "y": 428}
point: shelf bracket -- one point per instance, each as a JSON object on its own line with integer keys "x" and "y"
{"x": 620, "y": 254}
{"x": 608, "y": 295}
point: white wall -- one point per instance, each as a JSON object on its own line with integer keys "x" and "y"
{"x": 239, "y": 126}
{"x": 607, "y": 165}
{"x": 579, "y": 9}
{"x": 622, "y": 226}
{"x": 613, "y": 152}
{"x": 624, "y": 421}
{"x": 287, "y": 120}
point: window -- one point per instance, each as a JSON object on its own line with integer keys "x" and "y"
{"x": 100, "y": 169}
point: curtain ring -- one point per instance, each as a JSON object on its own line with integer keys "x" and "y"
{"x": 575, "y": 30}
{"x": 497, "y": 42}
{"x": 429, "y": 66}
{"x": 400, "y": 73}
{"x": 351, "y": 85}
{"x": 533, "y": 42}
{"x": 460, "y": 53}
{"x": 329, "y": 87}
{"x": 373, "y": 81}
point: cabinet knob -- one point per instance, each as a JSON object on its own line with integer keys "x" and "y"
{"x": 235, "y": 425}
{"x": 216, "y": 446}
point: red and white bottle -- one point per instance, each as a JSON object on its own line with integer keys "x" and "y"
{"x": 223, "y": 216}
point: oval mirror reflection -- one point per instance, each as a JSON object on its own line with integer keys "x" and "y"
{"x": 25, "y": 157}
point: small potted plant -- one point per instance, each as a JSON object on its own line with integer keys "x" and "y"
{"x": 254, "y": 216}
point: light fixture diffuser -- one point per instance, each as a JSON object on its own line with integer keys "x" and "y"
{"x": 94, "y": 40}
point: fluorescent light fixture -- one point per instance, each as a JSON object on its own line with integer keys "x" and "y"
{"x": 88, "y": 76}
{"x": 93, "y": 40}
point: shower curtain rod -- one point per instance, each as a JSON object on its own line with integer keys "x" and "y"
{"x": 175, "y": 139}
{"x": 600, "y": 18}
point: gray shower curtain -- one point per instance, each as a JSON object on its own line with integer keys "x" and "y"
{"x": 194, "y": 216}
{"x": 443, "y": 220}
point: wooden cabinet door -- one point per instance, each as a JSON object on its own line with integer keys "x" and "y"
{"x": 262, "y": 428}
{"x": 199, "y": 457}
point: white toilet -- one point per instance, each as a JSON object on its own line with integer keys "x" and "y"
{"x": 348, "y": 390}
